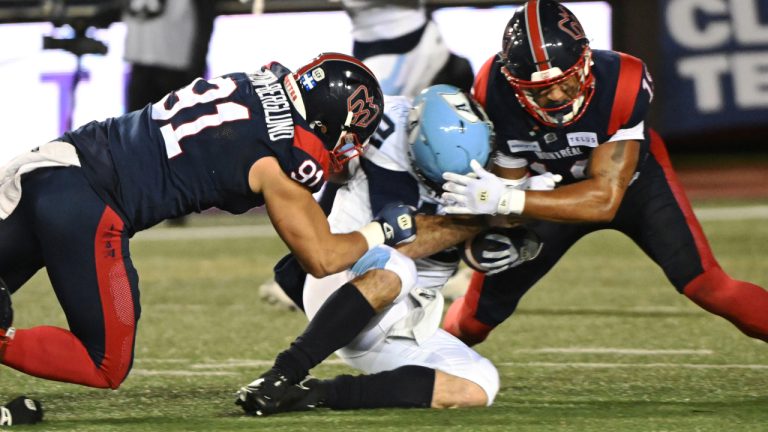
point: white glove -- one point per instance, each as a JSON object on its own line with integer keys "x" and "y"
{"x": 483, "y": 194}
{"x": 543, "y": 182}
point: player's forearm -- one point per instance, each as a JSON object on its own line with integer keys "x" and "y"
{"x": 575, "y": 203}
{"x": 436, "y": 233}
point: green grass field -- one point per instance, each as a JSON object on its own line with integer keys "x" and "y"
{"x": 602, "y": 344}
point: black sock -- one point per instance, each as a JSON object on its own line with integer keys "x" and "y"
{"x": 340, "y": 319}
{"x": 404, "y": 387}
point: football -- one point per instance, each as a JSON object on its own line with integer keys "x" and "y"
{"x": 500, "y": 248}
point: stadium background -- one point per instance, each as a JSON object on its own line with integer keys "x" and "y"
{"x": 709, "y": 59}
{"x": 603, "y": 343}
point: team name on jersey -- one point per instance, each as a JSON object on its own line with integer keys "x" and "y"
{"x": 560, "y": 154}
{"x": 277, "y": 108}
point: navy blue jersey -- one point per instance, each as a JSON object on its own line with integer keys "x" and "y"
{"x": 194, "y": 149}
{"x": 621, "y": 100}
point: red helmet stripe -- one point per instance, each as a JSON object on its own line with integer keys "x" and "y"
{"x": 535, "y": 36}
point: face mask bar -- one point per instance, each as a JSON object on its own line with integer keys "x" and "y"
{"x": 347, "y": 148}
{"x": 567, "y": 112}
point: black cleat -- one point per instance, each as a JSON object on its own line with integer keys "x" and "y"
{"x": 21, "y": 411}
{"x": 272, "y": 394}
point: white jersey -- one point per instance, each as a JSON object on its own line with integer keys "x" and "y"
{"x": 373, "y": 20}
{"x": 400, "y": 70}
{"x": 407, "y": 332}
{"x": 352, "y": 206}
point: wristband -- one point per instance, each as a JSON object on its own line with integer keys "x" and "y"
{"x": 512, "y": 202}
{"x": 373, "y": 233}
{"x": 516, "y": 183}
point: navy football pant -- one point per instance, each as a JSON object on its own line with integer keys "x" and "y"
{"x": 656, "y": 215}
{"x": 62, "y": 225}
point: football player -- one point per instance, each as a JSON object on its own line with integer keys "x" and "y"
{"x": 403, "y": 47}
{"x": 392, "y": 333}
{"x": 559, "y": 106}
{"x": 234, "y": 142}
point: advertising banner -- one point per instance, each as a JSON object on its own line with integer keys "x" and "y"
{"x": 715, "y": 65}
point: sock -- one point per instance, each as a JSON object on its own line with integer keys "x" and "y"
{"x": 56, "y": 354}
{"x": 404, "y": 387}
{"x": 341, "y": 318}
{"x": 460, "y": 318}
{"x": 742, "y": 303}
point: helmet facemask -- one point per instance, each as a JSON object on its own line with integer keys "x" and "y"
{"x": 577, "y": 82}
{"x": 348, "y": 146}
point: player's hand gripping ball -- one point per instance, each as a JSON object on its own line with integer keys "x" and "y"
{"x": 498, "y": 249}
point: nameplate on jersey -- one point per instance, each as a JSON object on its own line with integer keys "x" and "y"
{"x": 274, "y": 101}
{"x": 516, "y": 146}
{"x": 582, "y": 139}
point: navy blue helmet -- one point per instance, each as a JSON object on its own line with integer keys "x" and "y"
{"x": 544, "y": 45}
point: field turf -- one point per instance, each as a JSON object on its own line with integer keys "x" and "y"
{"x": 604, "y": 343}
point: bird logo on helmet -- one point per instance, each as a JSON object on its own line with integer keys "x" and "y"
{"x": 447, "y": 129}
{"x": 341, "y": 100}
{"x": 544, "y": 46}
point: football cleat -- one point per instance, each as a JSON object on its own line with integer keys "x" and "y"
{"x": 21, "y": 411}
{"x": 271, "y": 293}
{"x": 263, "y": 396}
{"x": 272, "y": 394}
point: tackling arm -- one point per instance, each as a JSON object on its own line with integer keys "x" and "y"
{"x": 301, "y": 223}
{"x": 436, "y": 233}
{"x": 595, "y": 199}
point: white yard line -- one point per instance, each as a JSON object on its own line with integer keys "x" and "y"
{"x": 732, "y": 213}
{"x": 618, "y": 351}
{"x": 206, "y": 233}
{"x": 261, "y": 231}
{"x": 594, "y": 365}
{"x": 151, "y": 372}
{"x": 218, "y": 368}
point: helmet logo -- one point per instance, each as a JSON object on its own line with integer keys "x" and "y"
{"x": 361, "y": 105}
{"x": 310, "y": 79}
{"x": 570, "y": 25}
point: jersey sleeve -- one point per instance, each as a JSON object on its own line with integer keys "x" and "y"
{"x": 632, "y": 99}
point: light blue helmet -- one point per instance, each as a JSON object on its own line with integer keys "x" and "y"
{"x": 446, "y": 130}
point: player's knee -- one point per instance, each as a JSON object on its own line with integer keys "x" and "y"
{"x": 476, "y": 389}
{"x": 385, "y": 285}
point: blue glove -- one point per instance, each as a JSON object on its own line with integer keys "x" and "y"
{"x": 397, "y": 222}
{"x": 375, "y": 258}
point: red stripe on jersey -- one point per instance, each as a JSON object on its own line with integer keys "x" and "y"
{"x": 535, "y": 37}
{"x": 480, "y": 88}
{"x": 625, "y": 95}
{"x": 659, "y": 151}
{"x": 116, "y": 298}
{"x": 311, "y": 145}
